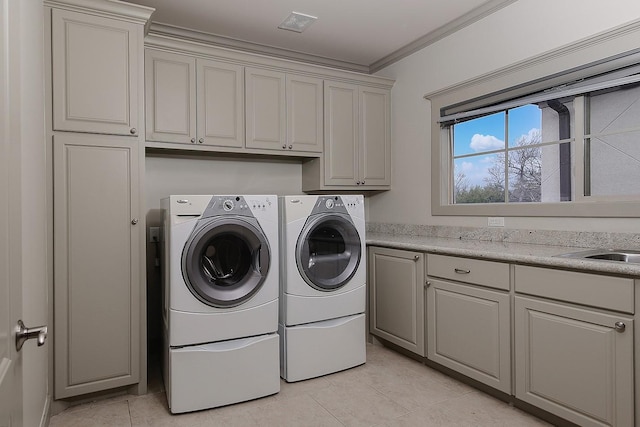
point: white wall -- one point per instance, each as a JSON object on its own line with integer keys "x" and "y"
{"x": 166, "y": 175}
{"x": 517, "y": 32}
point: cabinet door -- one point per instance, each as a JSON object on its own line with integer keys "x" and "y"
{"x": 265, "y": 109}
{"x": 95, "y": 69}
{"x": 220, "y": 104}
{"x": 574, "y": 363}
{"x": 397, "y": 297}
{"x": 468, "y": 330}
{"x": 170, "y": 97}
{"x": 340, "y": 134}
{"x": 96, "y": 263}
{"x": 304, "y": 113}
{"x": 375, "y": 137}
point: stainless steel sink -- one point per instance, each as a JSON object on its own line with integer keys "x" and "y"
{"x": 618, "y": 255}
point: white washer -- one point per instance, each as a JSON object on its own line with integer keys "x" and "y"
{"x": 323, "y": 285}
{"x": 221, "y": 280}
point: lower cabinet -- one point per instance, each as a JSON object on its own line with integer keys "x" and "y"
{"x": 573, "y": 362}
{"x": 560, "y": 340}
{"x": 96, "y": 262}
{"x": 468, "y": 330}
{"x": 396, "y": 309}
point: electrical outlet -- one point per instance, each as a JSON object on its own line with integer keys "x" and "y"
{"x": 154, "y": 234}
{"x": 496, "y": 221}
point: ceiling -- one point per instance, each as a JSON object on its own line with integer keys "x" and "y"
{"x": 361, "y": 35}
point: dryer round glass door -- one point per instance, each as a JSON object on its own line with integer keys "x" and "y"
{"x": 225, "y": 261}
{"x": 328, "y": 251}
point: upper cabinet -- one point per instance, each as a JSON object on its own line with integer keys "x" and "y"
{"x": 170, "y": 92}
{"x": 304, "y": 113}
{"x": 265, "y": 109}
{"x": 95, "y": 68}
{"x": 193, "y": 101}
{"x": 283, "y": 111}
{"x": 220, "y": 104}
{"x": 201, "y": 97}
{"x": 357, "y": 140}
{"x": 374, "y": 151}
{"x": 341, "y": 134}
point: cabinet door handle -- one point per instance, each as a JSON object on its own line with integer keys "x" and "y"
{"x": 193, "y": 140}
{"x": 461, "y": 271}
{"x": 133, "y": 131}
{"x": 290, "y": 147}
{"x": 619, "y": 326}
{"x": 284, "y": 146}
{"x": 427, "y": 284}
{"x": 134, "y": 221}
{"x": 416, "y": 257}
{"x": 201, "y": 140}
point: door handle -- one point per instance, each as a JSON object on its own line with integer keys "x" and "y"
{"x": 23, "y": 334}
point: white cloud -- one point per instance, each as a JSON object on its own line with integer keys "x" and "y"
{"x": 485, "y": 143}
{"x": 466, "y": 167}
{"x": 474, "y": 170}
{"x": 490, "y": 159}
{"x": 533, "y": 136}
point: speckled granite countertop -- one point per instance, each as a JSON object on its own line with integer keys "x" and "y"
{"x": 542, "y": 255}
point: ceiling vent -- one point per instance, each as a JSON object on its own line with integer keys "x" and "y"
{"x": 297, "y": 22}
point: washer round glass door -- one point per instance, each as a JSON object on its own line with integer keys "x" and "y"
{"x": 225, "y": 261}
{"x": 328, "y": 251}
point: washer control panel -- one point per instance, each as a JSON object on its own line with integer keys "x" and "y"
{"x": 329, "y": 203}
{"x": 228, "y": 205}
{"x": 239, "y": 205}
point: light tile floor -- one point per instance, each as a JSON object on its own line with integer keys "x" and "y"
{"x": 389, "y": 390}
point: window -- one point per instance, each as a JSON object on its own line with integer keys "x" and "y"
{"x": 562, "y": 150}
{"x": 517, "y": 155}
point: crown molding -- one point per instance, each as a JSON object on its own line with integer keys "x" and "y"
{"x": 111, "y": 8}
{"x": 465, "y": 20}
{"x": 210, "y": 51}
{"x": 186, "y": 34}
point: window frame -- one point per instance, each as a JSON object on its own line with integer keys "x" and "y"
{"x": 567, "y": 64}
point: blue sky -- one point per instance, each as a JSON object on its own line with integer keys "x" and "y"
{"x": 488, "y": 133}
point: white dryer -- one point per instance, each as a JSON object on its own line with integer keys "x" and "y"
{"x": 221, "y": 279}
{"x": 323, "y": 285}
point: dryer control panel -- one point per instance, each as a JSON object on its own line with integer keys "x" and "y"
{"x": 326, "y": 204}
{"x": 346, "y": 204}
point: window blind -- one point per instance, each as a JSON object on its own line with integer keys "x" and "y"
{"x": 613, "y": 79}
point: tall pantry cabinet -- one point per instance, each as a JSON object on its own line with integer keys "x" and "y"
{"x": 96, "y": 128}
